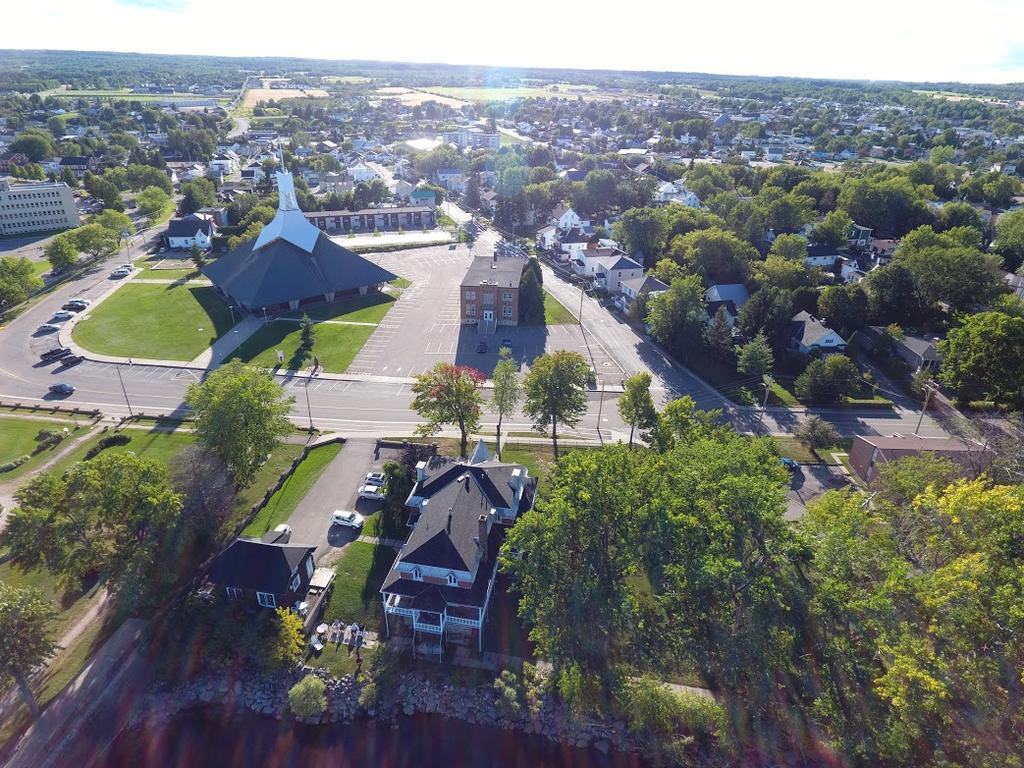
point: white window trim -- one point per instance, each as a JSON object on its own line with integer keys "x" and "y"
{"x": 416, "y": 574}
{"x": 453, "y": 580}
{"x": 266, "y": 599}
{"x": 296, "y": 580}
{"x": 233, "y": 593}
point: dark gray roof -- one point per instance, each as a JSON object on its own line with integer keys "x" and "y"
{"x": 188, "y": 226}
{"x": 504, "y": 271}
{"x": 645, "y": 284}
{"x": 808, "y": 329}
{"x": 252, "y": 564}
{"x": 281, "y": 271}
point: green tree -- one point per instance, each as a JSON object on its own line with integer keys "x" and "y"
{"x": 716, "y": 255}
{"x": 833, "y": 229}
{"x": 1009, "y": 242}
{"x": 116, "y": 222}
{"x": 636, "y": 406}
{"x": 892, "y": 296}
{"x": 94, "y": 239}
{"x": 152, "y": 200}
{"x": 531, "y": 298}
{"x": 792, "y": 247}
{"x": 196, "y": 194}
{"x": 35, "y": 144}
{"x": 472, "y": 198}
{"x": 449, "y": 394}
{"x": 816, "y": 433}
{"x": 555, "y": 392}
{"x": 307, "y": 698}
{"x": 68, "y": 177}
{"x": 145, "y": 176}
{"x": 241, "y": 415}
{"x": 197, "y": 256}
{"x": 17, "y": 280}
{"x": 718, "y": 334}
{"x": 114, "y": 516}
{"x": 308, "y": 333}
{"x": 983, "y": 357}
{"x": 843, "y": 307}
{"x": 676, "y": 318}
{"x": 768, "y": 311}
{"x": 61, "y": 253}
{"x": 25, "y": 637}
{"x": 106, "y": 192}
{"x": 640, "y": 229}
{"x": 508, "y": 391}
{"x": 755, "y": 358}
{"x": 779, "y": 272}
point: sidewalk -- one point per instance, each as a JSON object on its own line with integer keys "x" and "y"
{"x": 221, "y": 349}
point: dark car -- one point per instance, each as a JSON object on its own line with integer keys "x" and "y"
{"x": 789, "y": 464}
{"x": 75, "y": 306}
{"x": 54, "y": 354}
{"x": 506, "y": 344}
{"x": 62, "y": 389}
{"x": 71, "y": 360}
{"x": 482, "y": 347}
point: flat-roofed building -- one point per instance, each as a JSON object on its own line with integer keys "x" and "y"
{"x": 489, "y": 293}
{"x": 36, "y": 207}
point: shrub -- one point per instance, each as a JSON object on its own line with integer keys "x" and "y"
{"x": 14, "y": 463}
{"x": 307, "y": 698}
{"x": 47, "y": 439}
{"x": 118, "y": 438}
{"x": 652, "y": 707}
{"x": 506, "y": 685}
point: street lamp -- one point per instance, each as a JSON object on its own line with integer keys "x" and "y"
{"x": 309, "y": 411}
{"x": 764, "y": 405}
{"x": 231, "y": 308}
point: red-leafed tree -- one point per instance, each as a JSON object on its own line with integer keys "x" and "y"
{"x": 449, "y": 394}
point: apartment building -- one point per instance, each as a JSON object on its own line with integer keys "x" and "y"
{"x": 473, "y": 138}
{"x": 36, "y": 207}
{"x": 490, "y": 292}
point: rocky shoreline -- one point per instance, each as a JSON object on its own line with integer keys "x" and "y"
{"x": 415, "y": 694}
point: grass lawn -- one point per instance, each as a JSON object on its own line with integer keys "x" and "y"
{"x": 401, "y": 283}
{"x": 280, "y": 459}
{"x": 536, "y": 457}
{"x": 507, "y": 140}
{"x": 288, "y": 496}
{"x": 167, "y": 322}
{"x": 336, "y": 345}
{"x": 555, "y": 313}
{"x": 359, "y": 575}
{"x": 161, "y": 445}
{"x": 361, "y": 309}
{"x": 17, "y": 438}
{"x": 794, "y": 449}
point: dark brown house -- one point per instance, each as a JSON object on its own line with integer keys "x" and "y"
{"x": 271, "y": 575}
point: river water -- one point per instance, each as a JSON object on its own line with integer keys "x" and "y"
{"x": 212, "y": 736}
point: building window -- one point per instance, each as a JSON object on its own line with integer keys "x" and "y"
{"x": 296, "y": 580}
{"x": 417, "y": 574}
{"x": 453, "y": 580}
{"x": 233, "y": 592}
{"x": 506, "y": 296}
{"x": 506, "y": 311}
{"x": 471, "y": 309}
{"x": 266, "y": 599}
{"x": 470, "y": 295}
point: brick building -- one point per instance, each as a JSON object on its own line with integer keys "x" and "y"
{"x": 489, "y": 293}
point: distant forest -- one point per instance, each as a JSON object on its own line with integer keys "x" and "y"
{"x": 35, "y": 70}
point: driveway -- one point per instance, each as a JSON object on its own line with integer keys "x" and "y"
{"x": 335, "y": 489}
{"x": 808, "y": 484}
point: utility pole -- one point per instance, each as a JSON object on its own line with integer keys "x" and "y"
{"x": 580, "y": 316}
{"x": 600, "y": 408}
{"x": 928, "y": 391}
{"x": 764, "y": 405}
{"x": 124, "y": 390}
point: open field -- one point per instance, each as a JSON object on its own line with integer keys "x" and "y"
{"x": 415, "y": 98}
{"x": 162, "y": 322}
{"x": 126, "y": 94}
{"x": 254, "y": 95}
{"x": 346, "y": 79}
{"x": 562, "y": 91}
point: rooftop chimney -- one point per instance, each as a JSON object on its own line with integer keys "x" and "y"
{"x": 482, "y": 537}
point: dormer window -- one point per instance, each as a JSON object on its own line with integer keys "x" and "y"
{"x": 417, "y": 574}
{"x": 453, "y": 580}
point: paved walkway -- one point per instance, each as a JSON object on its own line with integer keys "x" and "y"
{"x": 221, "y": 349}
{"x": 393, "y": 543}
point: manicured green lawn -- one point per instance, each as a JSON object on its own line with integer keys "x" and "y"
{"x": 161, "y": 445}
{"x": 401, "y": 283}
{"x": 359, "y": 575}
{"x": 794, "y": 449}
{"x": 361, "y": 309}
{"x": 336, "y": 345}
{"x": 165, "y": 322}
{"x": 280, "y": 459}
{"x": 281, "y": 505}
{"x": 555, "y": 313}
{"x": 17, "y": 438}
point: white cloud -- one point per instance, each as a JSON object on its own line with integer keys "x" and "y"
{"x": 936, "y": 40}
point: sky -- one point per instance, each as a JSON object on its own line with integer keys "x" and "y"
{"x": 979, "y": 41}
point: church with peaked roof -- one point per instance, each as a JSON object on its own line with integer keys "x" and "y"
{"x": 292, "y": 264}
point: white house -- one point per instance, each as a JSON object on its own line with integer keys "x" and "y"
{"x": 676, "y": 192}
{"x": 191, "y": 230}
{"x": 223, "y": 164}
{"x": 734, "y": 292}
{"x": 565, "y": 218}
{"x": 824, "y": 256}
{"x": 361, "y": 172}
{"x": 809, "y": 335}
{"x": 775, "y": 153}
{"x": 451, "y": 179}
{"x": 547, "y": 237}
{"x": 608, "y": 267}
{"x": 632, "y": 289}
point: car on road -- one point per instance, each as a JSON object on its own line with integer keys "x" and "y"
{"x": 481, "y": 348}
{"x": 47, "y": 328}
{"x": 54, "y": 354}
{"x": 789, "y": 464}
{"x": 591, "y": 378}
{"x": 62, "y": 389}
{"x": 70, "y": 360}
{"x": 506, "y": 344}
{"x": 374, "y": 478}
{"x": 64, "y": 314}
{"x": 120, "y": 272}
{"x": 77, "y": 304}
{"x": 371, "y": 492}
{"x": 347, "y": 519}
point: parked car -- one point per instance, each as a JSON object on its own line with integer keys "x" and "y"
{"x": 346, "y": 519}
{"x": 374, "y": 478}
{"x": 47, "y": 328}
{"x": 591, "y": 378}
{"x": 371, "y": 492}
{"x": 62, "y": 389}
{"x": 80, "y": 300}
{"x": 789, "y": 464}
{"x": 482, "y": 348}
{"x": 507, "y": 344}
{"x": 64, "y": 314}
{"x": 120, "y": 272}
{"x": 70, "y": 360}
{"x": 54, "y": 354}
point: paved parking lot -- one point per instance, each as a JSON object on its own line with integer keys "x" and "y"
{"x": 423, "y": 327}
{"x": 809, "y": 483}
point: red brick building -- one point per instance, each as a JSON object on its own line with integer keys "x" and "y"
{"x": 489, "y": 293}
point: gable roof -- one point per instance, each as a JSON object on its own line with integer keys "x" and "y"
{"x": 734, "y": 292}
{"x": 188, "y": 226}
{"x": 645, "y": 284}
{"x": 809, "y": 330}
{"x": 253, "y": 564}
